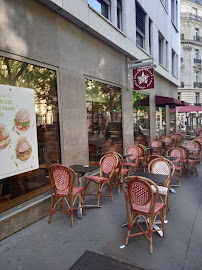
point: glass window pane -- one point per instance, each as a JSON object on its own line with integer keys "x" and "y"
{"x": 19, "y": 188}
{"x": 103, "y": 102}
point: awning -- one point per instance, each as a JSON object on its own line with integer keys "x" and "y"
{"x": 163, "y": 101}
{"x": 190, "y": 108}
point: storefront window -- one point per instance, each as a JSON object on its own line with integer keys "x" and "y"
{"x": 103, "y": 102}
{"x": 140, "y": 115}
{"x": 19, "y": 188}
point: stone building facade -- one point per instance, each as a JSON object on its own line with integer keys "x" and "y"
{"x": 89, "y": 40}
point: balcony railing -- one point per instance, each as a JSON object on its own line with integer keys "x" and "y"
{"x": 191, "y": 16}
{"x": 197, "y": 61}
{"x": 182, "y": 84}
{"x": 199, "y": 2}
{"x": 197, "y": 85}
{"x": 197, "y": 38}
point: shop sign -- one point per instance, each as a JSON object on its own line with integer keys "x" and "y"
{"x": 18, "y": 136}
{"x": 143, "y": 78}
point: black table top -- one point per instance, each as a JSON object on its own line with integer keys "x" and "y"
{"x": 171, "y": 158}
{"x": 81, "y": 169}
{"x": 126, "y": 155}
{"x": 156, "y": 178}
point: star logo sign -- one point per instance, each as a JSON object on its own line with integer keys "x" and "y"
{"x": 143, "y": 78}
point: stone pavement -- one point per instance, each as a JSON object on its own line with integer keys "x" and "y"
{"x": 57, "y": 246}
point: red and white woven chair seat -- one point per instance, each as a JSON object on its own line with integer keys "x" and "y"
{"x": 141, "y": 158}
{"x": 97, "y": 179}
{"x": 192, "y": 161}
{"x": 145, "y": 208}
{"x": 123, "y": 170}
{"x": 130, "y": 164}
{"x": 192, "y": 157}
{"x": 65, "y": 192}
{"x": 178, "y": 167}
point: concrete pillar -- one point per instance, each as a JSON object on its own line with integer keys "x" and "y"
{"x": 176, "y": 120}
{"x": 114, "y": 12}
{"x": 167, "y": 121}
{"x": 152, "y": 115}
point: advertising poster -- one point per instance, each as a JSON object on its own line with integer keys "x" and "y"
{"x": 18, "y": 136}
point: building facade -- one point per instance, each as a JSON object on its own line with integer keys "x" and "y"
{"x": 191, "y": 53}
{"x": 77, "y": 55}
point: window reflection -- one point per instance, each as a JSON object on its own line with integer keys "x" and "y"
{"x": 19, "y": 188}
{"x": 103, "y": 102}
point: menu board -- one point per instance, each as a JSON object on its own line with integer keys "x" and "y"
{"x": 18, "y": 136}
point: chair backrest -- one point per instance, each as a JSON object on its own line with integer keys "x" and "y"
{"x": 156, "y": 143}
{"x": 139, "y": 191}
{"x": 134, "y": 151}
{"x": 199, "y": 139}
{"x": 143, "y": 150}
{"x": 198, "y": 145}
{"x": 160, "y": 166}
{"x": 200, "y": 132}
{"x": 120, "y": 159}
{"x": 61, "y": 177}
{"x": 108, "y": 164}
{"x": 184, "y": 151}
{"x": 162, "y": 137}
{"x": 175, "y": 152}
{"x": 190, "y": 145}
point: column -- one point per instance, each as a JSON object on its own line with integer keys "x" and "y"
{"x": 167, "y": 121}
{"x": 152, "y": 115}
{"x": 176, "y": 120}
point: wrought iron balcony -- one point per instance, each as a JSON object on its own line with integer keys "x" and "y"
{"x": 191, "y": 16}
{"x": 197, "y": 38}
{"x": 182, "y": 84}
{"x": 197, "y": 61}
{"x": 197, "y": 85}
{"x": 199, "y": 2}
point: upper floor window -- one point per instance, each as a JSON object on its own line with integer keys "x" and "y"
{"x": 174, "y": 12}
{"x": 194, "y": 11}
{"x": 196, "y": 34}
{"x": 174, "y": 63}
{"x": 119, "y": 14}
{"x": 196, "y": 53}
{"x": 140, "y": 25}
{"x": 102, "y": 6}
{"x": 150, "y": 36}
{"x": 161, "y": 53}
{"x": 197, "y": 97}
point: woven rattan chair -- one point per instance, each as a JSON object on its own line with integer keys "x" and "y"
{"x": 132, "y": 161}
{"x": 178, "y": 162}
{"x": 157, "y": 143}
{"x": 165, "y": 167}
{"x": 142, "y": 156}
{"x": 142, "y": 202}
{"x": 63, "y": 191}
{"x": 120, "y": 172}
{"x": 108, "y": 164}
{"x": 192, "y": 160}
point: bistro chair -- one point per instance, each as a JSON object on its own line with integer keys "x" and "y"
{"x": 108, "y": 164}
{"x": 120, "y": 172}
{"x": 63, "y": 191}
{"x": 133, "y": 160}
{"x": 142, "y": 156}
{"x": 199, "y": 150}
{"x": 165, "y": 167}
{"x": 168, "y": 142}
{"x": 141, "y": 201}
{"x": 156, "y": 143}
{"x": 152, "y": 157}
{"x": 178, "y": 162}
{"x": 199, "y": 139}
{"x": 188, "y": 162}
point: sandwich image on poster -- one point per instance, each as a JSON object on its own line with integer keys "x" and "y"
{"x": 4, "y": 137}
{"x": 22, "y": 120}
{"x": 23, "y": 149}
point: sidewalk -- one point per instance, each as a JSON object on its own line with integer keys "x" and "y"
{"x": 57, "y": 246}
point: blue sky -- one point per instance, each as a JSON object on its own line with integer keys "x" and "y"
{"x": 95, "y": 4}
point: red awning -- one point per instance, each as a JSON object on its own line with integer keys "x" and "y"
{"x": 162, "y": 101}
{"x": 190, "y": 108}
